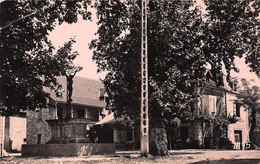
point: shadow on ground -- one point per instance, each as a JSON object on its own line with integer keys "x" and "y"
{"x": 182, "y": 153}
{"x": 230, "y": 161}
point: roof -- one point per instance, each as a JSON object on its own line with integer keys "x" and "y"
{"x": 107, "y": 119}
{"x": 85, "y": 92}
{"x": 225, "y": 87}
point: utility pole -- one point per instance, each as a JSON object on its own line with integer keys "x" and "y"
{"x": 144, "y": 130}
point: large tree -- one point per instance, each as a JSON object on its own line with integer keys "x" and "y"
{"x": 180, "y": 43}
{"x": 27, "y": 62}
{"x": 250, "y": 99}
{"x": 176, "y": 65}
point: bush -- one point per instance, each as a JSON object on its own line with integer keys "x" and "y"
{"x": 225, "y": 143}
{"x": 208, "y": 143}
{"x": 220, "y": 143}
{"x": 195, "y": 144}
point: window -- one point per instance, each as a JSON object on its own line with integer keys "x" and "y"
{"x": 59, "y": 112}
{"x": 52, "y": 113}
{"x": 39, "y": 138}
{"x": 235, "y": 86}
{"x": 238, "y": 136}
{"x": 81, "y": 113}
{"x": 212, "y": 104}
{"x": 92, "y": 114}
{"x": 236, "y": 109}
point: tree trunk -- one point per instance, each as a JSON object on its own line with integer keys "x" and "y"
{"x": 203, "y": 134}
{"x": 158, "y": 141}
{"x": 252, "y": 128}
{"x": 170, "y": 141}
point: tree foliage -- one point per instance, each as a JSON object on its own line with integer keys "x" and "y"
{"x": 181, "y": 41}
{"x": 28, "y": 62}
{"x": 250, "y": 99}
{"x": 174, "y": 67}
{"x": 232, "y": 30}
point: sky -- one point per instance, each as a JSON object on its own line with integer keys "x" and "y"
{"x": 84, "y": 32}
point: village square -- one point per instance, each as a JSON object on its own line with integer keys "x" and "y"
{"x": 146, "y": 81}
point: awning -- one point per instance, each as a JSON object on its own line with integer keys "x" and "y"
{"x": 107, "y": 119}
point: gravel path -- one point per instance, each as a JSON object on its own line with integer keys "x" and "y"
{"x": 177, "y": 156}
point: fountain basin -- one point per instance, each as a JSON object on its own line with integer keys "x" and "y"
{"x": 70, "y": 149}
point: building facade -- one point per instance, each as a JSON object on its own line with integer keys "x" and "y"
{"x": 215, "y": 102}
{"x": 89, "y": 102}
{"x": 238, "y": 133}
{"x": 87, "y": 108}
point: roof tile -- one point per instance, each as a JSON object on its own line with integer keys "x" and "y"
{"x": 85, "y": 91}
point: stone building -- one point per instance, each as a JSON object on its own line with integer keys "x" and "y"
{"x": 87, "y": 107}
{"x": 215, "y": 102}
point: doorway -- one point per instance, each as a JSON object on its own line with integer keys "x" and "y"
{"x": 238, "y": 139}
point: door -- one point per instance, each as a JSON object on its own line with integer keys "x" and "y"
{"x": 238, "y": 139}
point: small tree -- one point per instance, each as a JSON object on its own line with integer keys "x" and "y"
{"x": 250, "y": 97}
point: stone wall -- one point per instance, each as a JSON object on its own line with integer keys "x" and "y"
{"x": 38, "y": 131}
{"x": 75, "y": 149}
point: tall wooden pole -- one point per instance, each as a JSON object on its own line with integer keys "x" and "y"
{"x": 144, "y": 130}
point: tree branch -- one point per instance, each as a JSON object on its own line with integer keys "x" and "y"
{"x": 23, "y": 17}
{"x": 17, "y": 20}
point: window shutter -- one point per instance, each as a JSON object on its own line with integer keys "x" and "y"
{"x": 234, "y": 108}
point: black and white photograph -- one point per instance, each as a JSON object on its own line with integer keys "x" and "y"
{"x": 129, "y": 81}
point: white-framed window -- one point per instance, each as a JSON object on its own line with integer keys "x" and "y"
{"x": 212, "y": 104}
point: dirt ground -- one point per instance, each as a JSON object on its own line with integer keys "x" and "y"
{"x": 176, "y": 156}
